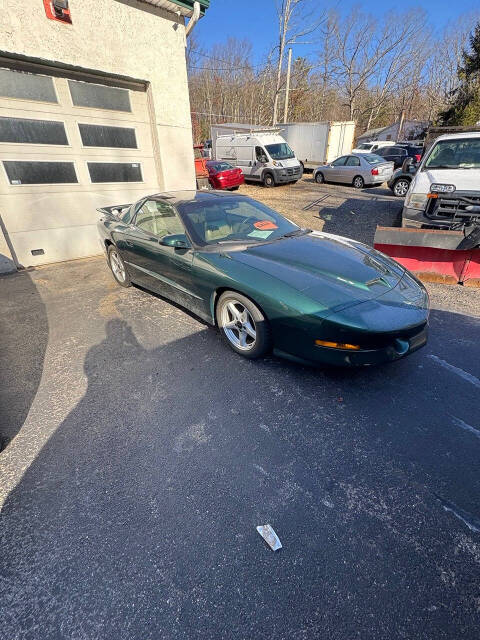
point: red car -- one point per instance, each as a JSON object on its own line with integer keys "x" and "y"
{"x": 223, "y": 175}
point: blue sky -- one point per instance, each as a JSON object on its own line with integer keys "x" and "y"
{"x": 256, "y": 19}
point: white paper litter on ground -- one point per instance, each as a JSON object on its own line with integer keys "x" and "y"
{"x": 270, "y": 537}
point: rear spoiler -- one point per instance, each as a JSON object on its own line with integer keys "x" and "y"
{"x": 115, "y": 210}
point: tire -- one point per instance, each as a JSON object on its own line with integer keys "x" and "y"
{"x": 242, "y": 325}
{"x": 401, "y": 187}
{"x": 117, "y": 267}
{"x": 234, "y": 188}
{"x": 268, "y": 180}
{"x": 319, "y": 179}
{"x": 358, "y": 182}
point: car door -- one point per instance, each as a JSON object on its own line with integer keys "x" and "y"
{"x": 351, "y": 169}
{"x": 333, "y": 171}
{"x": 164, "y": 269}
{"x": 259, "y": 162}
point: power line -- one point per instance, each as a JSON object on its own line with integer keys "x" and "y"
{"x": 199, "y": 53}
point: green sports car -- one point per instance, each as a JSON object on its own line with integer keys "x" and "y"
{"x": 265, "y": 282}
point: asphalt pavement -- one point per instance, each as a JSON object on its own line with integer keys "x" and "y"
{"x": 141, "y": 453}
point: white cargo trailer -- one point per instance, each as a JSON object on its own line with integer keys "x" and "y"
{"x": 314, "y": 143}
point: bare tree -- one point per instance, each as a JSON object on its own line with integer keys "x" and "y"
{"x": 368, "y": 51}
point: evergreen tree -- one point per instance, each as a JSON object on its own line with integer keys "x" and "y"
{"x": 465, "y": 105}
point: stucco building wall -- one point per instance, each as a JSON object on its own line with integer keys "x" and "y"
{"x": 118, "y": 37}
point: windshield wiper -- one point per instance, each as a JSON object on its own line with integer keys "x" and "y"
{"x": 296, "y": 232}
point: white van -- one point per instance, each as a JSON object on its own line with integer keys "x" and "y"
{"x": 445, "y": 190}
{"x": 263, "y": 156}
{"x": 371, "y": 147}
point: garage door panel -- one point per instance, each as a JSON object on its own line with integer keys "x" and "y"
{"x": 59, "y": 209}
{"x": 54, "y": 245}
{"x": 60, "y": 219}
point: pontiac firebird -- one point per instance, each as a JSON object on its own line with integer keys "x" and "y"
{"x": 267, "y": 284}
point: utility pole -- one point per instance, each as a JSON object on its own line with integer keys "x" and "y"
{"x": 287, "y": 90}
{"x": 400, "y": 125}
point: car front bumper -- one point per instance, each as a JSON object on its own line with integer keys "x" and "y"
{"x": 417, "y": 219}
{"x": 287, "y": 174}
{"x": 364, "y": 357}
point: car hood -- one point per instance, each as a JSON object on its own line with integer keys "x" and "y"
{"x": 333, "y": 271}
{"x": 463, "y": 179}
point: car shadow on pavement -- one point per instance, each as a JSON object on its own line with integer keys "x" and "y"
{"x": 358, "y": 217}
{"x": 137, "y": 518}
{"x": 24, "y": 338}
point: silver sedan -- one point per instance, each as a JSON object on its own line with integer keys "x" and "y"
{"x": 358, "y": 170}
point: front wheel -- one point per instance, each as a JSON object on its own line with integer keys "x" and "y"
{"x": 358, "y": 182}
{"x": 268, "y": 180}
{"x": 401, "y": 187}
{"x": 118, "y": 267}
{"x": 242, "y": 325}
{"x": 319, "y": 179}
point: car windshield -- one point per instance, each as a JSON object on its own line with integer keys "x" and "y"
{"x": 220, "y": 166}
{"x": 233, "y": 220}
{"x": 462, "y": 153}
{"x": 280, "y": 151}
{"x": 372, "y": 158}
{"x": 364, "y": 146}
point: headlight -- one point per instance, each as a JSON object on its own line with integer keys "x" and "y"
{"x": 416, "y": 200}
{"x": 277, "y": 164}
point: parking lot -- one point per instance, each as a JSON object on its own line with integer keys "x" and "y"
{"x": 143, "y": 453}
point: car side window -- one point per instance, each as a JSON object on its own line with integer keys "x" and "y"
{"x": 260, "y": 154}
{"x": 158, "y": 218}
{"x": 352, "y": 161}
{"x": 339, "y": 162}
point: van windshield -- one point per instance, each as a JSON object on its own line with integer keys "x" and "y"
{"x": 463, "y": 153}
{"x": 279, "y": 151}
{"x": 365, "y": 145}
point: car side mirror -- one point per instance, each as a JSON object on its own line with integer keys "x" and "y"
{"x": 407, "y": 163}
{"x": 263, "y": 159}
{"x": 178, "y": 241}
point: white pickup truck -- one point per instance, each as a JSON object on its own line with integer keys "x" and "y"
{"x": 445, "y": 192}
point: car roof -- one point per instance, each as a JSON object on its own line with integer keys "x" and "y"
{"x": 454, "y": 136}
{"x": 177, "y": 197}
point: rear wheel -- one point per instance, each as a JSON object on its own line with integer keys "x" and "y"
{"x": 401, "y": 187}
{"x": 118, "y": 267}
{"x": 268, "y": 180}
{"x": 319, "y": 179}
{"x": 242, "y": 325}
{"x": 358, "y": 182}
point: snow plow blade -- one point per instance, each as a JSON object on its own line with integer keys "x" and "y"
{"x": 431, "y": 254}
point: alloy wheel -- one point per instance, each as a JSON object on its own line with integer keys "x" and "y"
{"x": 117, "y": 266}
{"x": 358, "y": 182}
{"x": 401, "y": 187}
{"x": 238, "y": 325}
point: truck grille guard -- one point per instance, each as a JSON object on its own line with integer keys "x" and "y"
{"x": 459, "y": 210}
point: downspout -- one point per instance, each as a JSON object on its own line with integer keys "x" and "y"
{"x": 194, "y": 19}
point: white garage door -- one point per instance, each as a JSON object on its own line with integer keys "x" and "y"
{"x": 66, "y": 148}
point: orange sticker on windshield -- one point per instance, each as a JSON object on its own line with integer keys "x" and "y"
{"x": 264, "y": 225}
